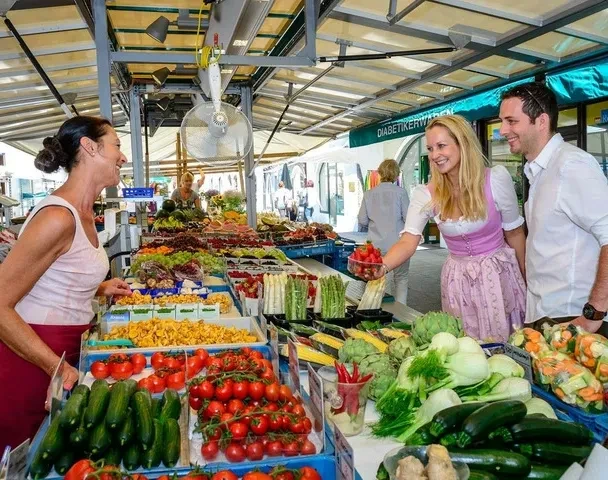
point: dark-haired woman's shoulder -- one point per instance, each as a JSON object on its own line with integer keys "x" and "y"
{"x": 53, "y": 225}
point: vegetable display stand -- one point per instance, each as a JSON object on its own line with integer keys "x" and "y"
{"x": 347, "y": 321}
{"x": 325, "y": 247}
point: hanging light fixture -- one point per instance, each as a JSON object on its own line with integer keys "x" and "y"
{"x": 158, "y": 29}
{"x": 160, "y": 76}
{"x": 163, "y": 103}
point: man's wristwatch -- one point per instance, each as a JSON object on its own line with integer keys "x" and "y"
{"x": 590, "y": 313}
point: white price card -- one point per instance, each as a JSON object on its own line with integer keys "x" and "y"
{"x": 56, "y": 387}
{"x": 17, "y": 462}
{"x": 523, "y": 358}
{"x": 264, "y": 324}
{"x": 294, "y": 366}
{"x": 315, "y": 388}
{"x": 345, "y": 461}
{"x": 209, "y": 312}
{"x": 274, "y": 348}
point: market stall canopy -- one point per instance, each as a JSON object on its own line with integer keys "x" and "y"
{"x": 498, "y": 42}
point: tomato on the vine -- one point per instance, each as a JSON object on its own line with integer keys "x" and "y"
{"x": 285, "y": 394}
{"x": 298, "y": 410}
{"x": 139, "y": 362}
{"x": 193, "y": 366}
{"x": 214, "y": 409}
{"x": 238, "y": 430}
{"x": 291, "y": 449}
{"x": 309, "y": 473}
{"x": 118, "y": 358}
{"x": 223, "y": 392}
{"x": 280, "y": 473}
{"x": 268, "y": 375}
{"x": 100, "y": 370}
{"x": 146, "y": 384}
{"x": 171, "y": 362}
{"x": 214, "y": 362}
{"x": 225, "y": 475}
{"x": 256, "y": 354}
{"x": 206, "y": 389}
{"x": 202, "y": 354}
{"x": 158, "y": 383}
{"x": 256, "y": 390}
{"x": 176, "y": 381}
{"x": 235, "y": 406}
{"x": 271, "y": 392}
{"x": 209, "y": 450}
{"x": 259, "y": 425}
{"x": 275, "y": 423}
{"x": 274, "y": 448}
{"x": 80, "y": 470}
{"x": 257, "y": 476}
{"x": 195, "y": 402}
{"x": 308, "y": 448}
{"x": 307, "y": 423}
{"x": 255, "y": 451}
{"x": 235, "y": 453}
{"x": 241, "y": 390}
{"x": 121, "y": 371}
{"x": 157, "y": 360}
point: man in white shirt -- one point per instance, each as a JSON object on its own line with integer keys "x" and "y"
{"x": 282, "y": 199}
{"x": 566, "y": 214}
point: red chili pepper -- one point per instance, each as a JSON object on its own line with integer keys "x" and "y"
{"x": 355, "y": 376}
{"x": 366, "y": 378}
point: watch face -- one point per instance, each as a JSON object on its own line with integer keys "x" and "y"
{"x": 588, "y": 312}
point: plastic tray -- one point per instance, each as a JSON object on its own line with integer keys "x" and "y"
{"x": 326, "y": 247}
{"x": 378, "y": 314}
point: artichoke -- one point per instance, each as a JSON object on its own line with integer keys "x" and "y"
{"x": 401, "y": 348}
{"x": 374, "y": 363}
{"x": 431, "y": 323}
{"x": 384, "y": 373}
{"x": 355, "y": 350}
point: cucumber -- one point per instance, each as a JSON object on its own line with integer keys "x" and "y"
{"x": 533, "y": 429}
{"x": 451, "y": 418}
{"x": 131, "y": 386}
{"x": 479, "y": 475}
{"x": 543, "y": 472}
{"x": 131, "y": 457}
{"x": 143, "y": 420}
{"x": 40, "y": 467}
{"x": 53, "y": 442}
{"x": 493, "y": 461}
{"x": 119, "y": 402}
{"x": 98, "y": 403}
{"x": 171, "y": 405}
{"x": 99, "y": 440}
{"x": 553, "y": 453}
{"x": 148, "y": 395}
{"x": 113, "y": 456}
{"x": 65, "y": 462}
{"x": 126, "y": 432}
{"x": 78, "y": 438}
{"x": 71, "y": 414}
{"x": 151, "y": 458}
{"x": 172, "y": 442}
{"x": 483, "y": 421}
{"x": 156, "y": 407}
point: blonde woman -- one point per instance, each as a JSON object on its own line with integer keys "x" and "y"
{"x": 185, "y": 195}
{"x": 383, "y": 211}
{"x": 476, "y": 210}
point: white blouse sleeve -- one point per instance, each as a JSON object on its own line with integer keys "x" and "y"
{"x": 505, "y": 198}
{"x": 419, "y": 211}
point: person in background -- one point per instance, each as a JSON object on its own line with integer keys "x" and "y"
{"x": 185, "y": 195}
{"x": 566, "y": 212}
{"x": 309, "y": 195}
{"x": 282, "y": 199}
{"x": 477, "y": 213}
{"x": 52, "y": 274}
{"x": 383, "y": 211}
{"x": 196, "y": 186}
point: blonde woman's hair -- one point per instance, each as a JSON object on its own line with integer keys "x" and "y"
{"x": 187, "y": 177}
{"x": 471, "y": 176}
{"x": 388, "y": 170}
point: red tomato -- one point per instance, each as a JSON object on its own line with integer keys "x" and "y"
{"x": 202, "y": 354}
{"x": 210, "y": 450}
{"x": 256, "y": 390}
{"x": 272, "y": 392}
{"x": 259, "y": 425}
{"x": 214, "y": 409}
{"x": 307, "y": 425}
{"x": 195, "y": 402}
{"x": 193, "y": 475}
{"x": 279, "y": 473}
{"x": 308, "y": 448}
{"x": 274, "y": 449}
{"x": 138, "y": 476}
{"x": 224, "y": 392}
{"x": 80, "y": 470}
{"x": 298, "y": 410}
{"x": 213, "y": 434}
{"x": 121, "y": 371}
{"x": 206, "y": 389}
{"x": 118, "y": 358}
{"x": 275, "y": 423}
{"x": 268, "y": 375}
{"x": 255, "y": 451}
{"x": 146, "y": 384}
{"x": 309, "y": 473}
{"x": 256, "y": 354}
{"x": 110, "y": 472}
{"x": 291, "y": 449}
{"x": 235, "y": 453}
{"x": 296, "y": 426}
{"x": 235, "y": 406}
{"x": 139, "y": 362}
{"x": 225, "y": 475}
{"x": 158, "y": 383}
{"x": 285, "y": 394}
{"x": 195, "y": 391}
{"x": 214, "y": 362}
{"x": 193, "y": 365}
{"x": 157, "y": 360}
{"x": 272, "y": 407}
{"x": 238, "y": 430}
{"x": 176, "y": 381}
{"x": 241, "y": 390}
{"x": 171, "y": 362}
{"x": 100, "y": 370}
{"x": 225, "y": 418}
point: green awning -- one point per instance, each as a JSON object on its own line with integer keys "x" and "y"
{"x": 580, "y": 84}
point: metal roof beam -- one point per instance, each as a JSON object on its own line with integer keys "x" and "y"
{"x": 30, "y": 4}
{"x": 11, "y": 72}
{"x": 189, "y": 59}
{"x": 41, "y": 112}
{"x": 44, "y": 121}
{"x": 573, "y": 32}
{"x": 326, "y": 86}
{"x": 38, "y": 52}
{"x": 388, "y": 71}
{"x": 486, "y": 71}
{"x": 7, "y": 87}
{"x": 534, "y": 53}
{"x": 59, "y": 27}
{"x": 566, "y": 16}
{"x": 491, "y": 12}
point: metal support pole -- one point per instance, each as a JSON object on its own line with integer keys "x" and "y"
{"x": 136, "y": 141}
{"x": 147, "y": 151}
{"x": 241, "y": 179}
{"x": 311, "y": 14}
{"x": 393, "y": 18}
{"x": 250, "y": 181}
{"x": 178, "y": 158}
{"x": 103, "y": 58}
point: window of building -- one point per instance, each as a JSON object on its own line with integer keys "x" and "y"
{"x": 597, "y": 133}
{"x": 324, "y": 189}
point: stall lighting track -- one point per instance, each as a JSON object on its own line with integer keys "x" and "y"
{"x": 385, "y": 55}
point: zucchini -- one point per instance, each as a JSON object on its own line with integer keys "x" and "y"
{"x": 99, "y": 440}
{"x": 113, "y": 456}
{"x": 143, "y": 420}
{"x": 65, "y": 462}
{"x": 422, "y": 436}
{"x": 532, "y": 429}
{"x": 151, "y": 458}
{"x": 53, "y": 441}
{"x": 480, "y": 475}
{"x": 171, "y": 405}
{"x": 71, "y": 414}
{"x": 126, "y": 432}
{"x": 98, "y": 403}
{"x": 493, "y": 461}
{"x": 131, "y": 457}
{"x": 479, "y": 424}
{"x": 449, "y": 440}
{"x": 156, "y": 407}
{"x": 451, "y": 418}
{"x": 172, "y": 442}
{"x": 543, "y": 472}
{"x": 553, "y": 453}
{"x": 40, "y": 467}
{"x": 119, "y": 402}
{"x": 78, "y": 438}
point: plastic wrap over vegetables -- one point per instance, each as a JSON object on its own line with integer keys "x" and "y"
{"x": 591, "y": 350}
{"x": 529, "y": 340}
{"x": 562, "y": 338}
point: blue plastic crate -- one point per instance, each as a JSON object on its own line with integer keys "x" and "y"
{"x": 327, "y": 247}
{"x": 139, "y": 192}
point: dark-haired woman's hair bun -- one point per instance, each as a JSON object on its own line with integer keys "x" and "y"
{"x": 52, "y": 156}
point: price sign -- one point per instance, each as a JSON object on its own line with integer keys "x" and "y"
{"x": 345, "y": 461}
{"x": 274, "y": 348}
{"x": 294, "y": 365}
{"x": 315, "y": 388}
{"x": 56, "y": 387}
{"x": 523, "y": 358}
{"x": 264, "y": 324}
{"x": 17, "y": 462}
{"x": 209, "y": 312}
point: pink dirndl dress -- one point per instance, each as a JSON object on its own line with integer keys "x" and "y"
{"x": 481, "y": 282}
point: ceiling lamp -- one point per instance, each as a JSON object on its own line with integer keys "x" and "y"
{"x": 163, "y": 103}
{"x": 160, "y": 76}
{"x": 69, "y": 98}
{"x": 158, "y": 29}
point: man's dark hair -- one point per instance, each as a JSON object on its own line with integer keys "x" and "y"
{"x": 536, "y": 99}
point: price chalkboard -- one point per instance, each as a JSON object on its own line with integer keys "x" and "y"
{"x": 523, "y": 358}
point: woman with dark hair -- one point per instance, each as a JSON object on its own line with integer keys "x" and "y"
{"x": 52, "y": 274}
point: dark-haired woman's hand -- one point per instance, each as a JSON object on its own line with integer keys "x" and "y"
{"x": 114, "y": 287}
